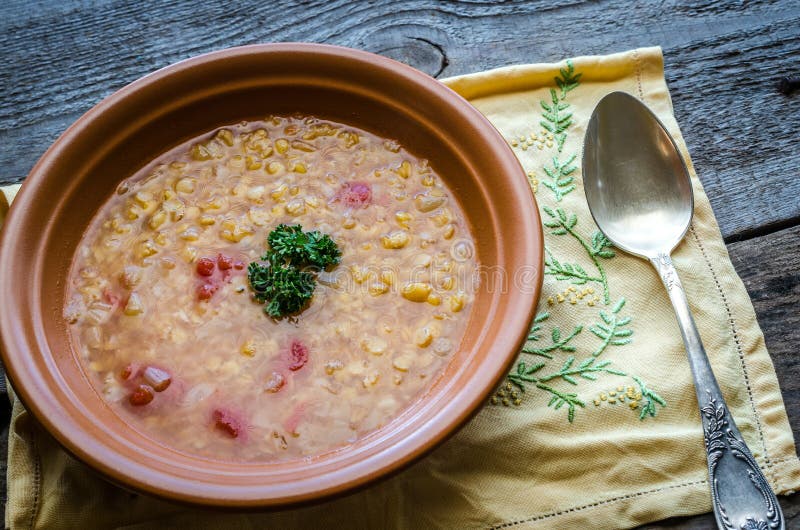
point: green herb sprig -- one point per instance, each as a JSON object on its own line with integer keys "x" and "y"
{"x": 303, "y": 248}
{"x": 279, "y": 280}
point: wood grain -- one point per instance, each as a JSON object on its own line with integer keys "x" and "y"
{"x": 723, "y": 60}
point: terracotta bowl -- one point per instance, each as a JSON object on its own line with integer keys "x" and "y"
{"x": 133, "y": 126}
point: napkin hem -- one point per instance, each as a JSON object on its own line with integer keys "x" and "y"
{"x": 574, "y": 515}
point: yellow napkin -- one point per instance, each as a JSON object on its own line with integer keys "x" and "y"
{"x": 596, "y": 425}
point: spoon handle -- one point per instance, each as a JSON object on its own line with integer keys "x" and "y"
{"x": 741, "y": 496}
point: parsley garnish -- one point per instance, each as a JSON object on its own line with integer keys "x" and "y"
{"x": 303, "y": 248}
{"x": 279, "y": 279}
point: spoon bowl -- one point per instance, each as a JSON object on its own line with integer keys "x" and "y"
{"x": 641, "y": 197}
{"x": 640, "y": 194}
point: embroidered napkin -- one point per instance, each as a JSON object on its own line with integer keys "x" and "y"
{"x": 596, "y": 425}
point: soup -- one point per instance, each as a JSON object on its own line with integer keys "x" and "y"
{"x": 166, "y": 321}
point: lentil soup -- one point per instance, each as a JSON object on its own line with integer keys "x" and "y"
{"x": 167, "y": 327}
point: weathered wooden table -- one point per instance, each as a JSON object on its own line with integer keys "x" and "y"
{"x": 724, "y": 60}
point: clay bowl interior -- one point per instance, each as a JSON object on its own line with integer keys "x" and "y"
{"x": 130, "y": 128}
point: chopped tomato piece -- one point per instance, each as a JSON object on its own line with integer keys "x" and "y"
{"x": 206, "y": 291}
{"x": 141, "y": 396}
{"x": 355, "y": 194}
{"x": 129, "y": 372}
{"x": 298, "y": 355}
{"x": 228, "y": 422}
{"x": 111, "y": 297}
{"x": 238, "y": 265}
{"x": 205, "y": 266}
{"x": 224, "y": 262}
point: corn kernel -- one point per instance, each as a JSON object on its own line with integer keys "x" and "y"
{"x": 273, "y": 168}
{"x": 190, "y": 234}
{"x": 303, "y": 146}
{"x": 213, "y": 203}
{"x": 395, "y": 240}
{"x": 434, "y": 299}
{"x": 252, "y": 163}
{"x": 350, "y": 138}
{"x": 255, "y": 193}
{"x": 387, "y": 277}
{"x": 348, "y": 223}
{"x": 423, "y": 337}
{"x": 403, "y": 218}
{"x": 378, "y": 288}
{"x": 134, "y": 305}
{"x": 404, "y": 170}
{"x": 422, "y": 261}
{"x": 146, "y": 248}
{"x": 333, "y": 366}
{"x": 299, "y": 167}
{"x": 443, "y": 218}
{"x": 296, "y": 207}
{"x": 199, "y": 152}
{"x": 162, "y": 239}
{"x": 143, "y": 198}
{"x": 416, "y": 291}
{"x": 189, "y": 254}
{"x": 278, "y": 192}
{"x": 428, "y": 180}
{"x": 374, "y": 345}
{"x": 428, "y": 203}
{"x": 157, "y": 219}
{"x": 258, "y": 216}
{"x": 132, "y": 213}
{"x": 281, "y": 145}
{"x": 248, "y": 348}
{"x": 207, "y": 220}
{"x": 403, "y": 362}
{"x": 360, "y": 275}
{"x": 456, "y": 302}
{"x": 226, "y": 136}
{"x": 236, "y": 162}
{"x": 235, "y": 235}
{"x": 370, "y": 379}
{"x": 119, "y": 227}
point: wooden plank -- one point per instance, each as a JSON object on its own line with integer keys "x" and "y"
{"x": 722, "y": 64}
{"x": 768, "y": 267}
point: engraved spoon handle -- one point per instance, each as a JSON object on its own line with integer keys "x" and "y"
{"x": 741, "y": 496}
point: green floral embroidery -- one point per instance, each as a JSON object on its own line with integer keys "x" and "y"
{"x": 558, "y": 342}
{"x": 599, "y": 247}
{"x": 556, "y": 119}
{"x": 561, "y": 181}
{"x": 650, "y": 399}
{"x": 550, "y": 358}
{"x": 612, "y": 330}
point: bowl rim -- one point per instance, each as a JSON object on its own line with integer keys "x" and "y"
{"x": 15, "y": 345}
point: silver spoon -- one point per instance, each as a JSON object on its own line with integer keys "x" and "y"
{"x": 640, "y": 196}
